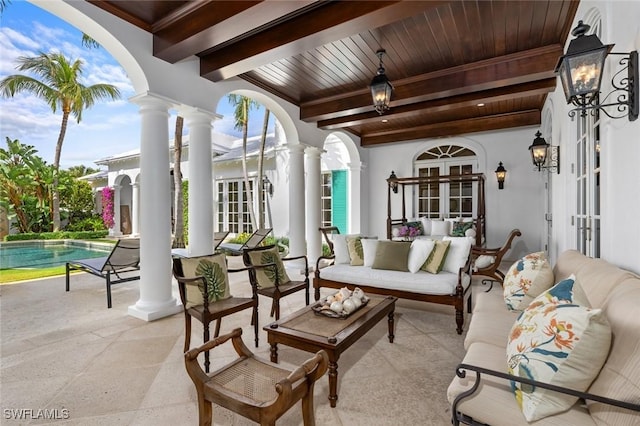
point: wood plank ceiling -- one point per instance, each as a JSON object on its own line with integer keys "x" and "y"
{"x": 444, "y": 58}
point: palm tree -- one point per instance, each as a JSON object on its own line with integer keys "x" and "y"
{"x": 178, "y": 209}
{"x": 60, "y": 88}
{"x": 263, "y": 141}
{"x": 242, "y": 106}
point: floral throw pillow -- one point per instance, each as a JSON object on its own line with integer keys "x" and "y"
{"x": 215, "y": 281}
{"x": 356, "y": 252}
{"x": 526, "y": 279}
{"x": 267, "y": 277}
{"x": 460, "y": 228}
{"x": 562, "y": 344}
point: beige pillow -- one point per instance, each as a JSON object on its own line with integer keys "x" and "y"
{"x": 392, "y": 255}
{"x": 438, "y": 255}
{"x": 213, "y": 269}
{"x": 356, "y": 252}
{"x": 266, "y": 277}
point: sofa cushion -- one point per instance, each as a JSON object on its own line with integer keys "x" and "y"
{"x": 214, "y": 271}
{"x": 438, "y": 255}
{"x": 419, "y": 253}
{"x": 526, "y": 279}
{"x": 558, "y": 343}
{"x": 426, "y": 225}
{"x": 356, "y": 254}
{"x": 620, "y": 375}
{"x": 440, "y": 227}
{"x": 392, "y": 255}
{"x": 493, "y": 402}
{"x": 369, "y": 246}
{"x": 340, "y": 248}
{"x": 458, "y": 254}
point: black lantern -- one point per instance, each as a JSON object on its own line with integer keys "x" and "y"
{"x": 539, "y": 151}
{"x": 381, "y": 88}
{"x": 580, "y": 71}
{"x": 393, "y": 182}
{"x": 501, "y": 173}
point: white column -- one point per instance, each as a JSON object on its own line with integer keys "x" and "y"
{"x": 135, "y": 209}
{"x": 354, "y": 190}
{"x": 201, "y": 199}
{"x": 314, "y": 211}
{"x": 115, "y": 231}
{"x": 297, "y": 243}
{"x": 156, "y": 299}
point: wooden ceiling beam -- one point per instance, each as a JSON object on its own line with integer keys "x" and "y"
{"x": 198, "y": 26}
{"x": 324, "y": 24}
{"x": 458, "y": 127}
{"x": 540, "y": 87}
{"x": 522, "y": 67}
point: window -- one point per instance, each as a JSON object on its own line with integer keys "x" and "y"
{"x": 233, "y": 208}
{"x": 436, "y": 200}
{"x": 334, "y": 199}
{"x": 326, "y": 219}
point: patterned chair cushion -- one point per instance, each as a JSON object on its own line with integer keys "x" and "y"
{"x": 526, "y": 279}
{"x": 214, "y": 270}
{"x": 266, "y": 277}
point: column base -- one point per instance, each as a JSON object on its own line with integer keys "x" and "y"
{"x": 152, "y": 311}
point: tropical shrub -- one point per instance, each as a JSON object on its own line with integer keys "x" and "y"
{"x": 107, "y": 207}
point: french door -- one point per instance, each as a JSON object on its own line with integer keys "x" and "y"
{"x": 443, "y": 200}
{"x": 588, "y": 185}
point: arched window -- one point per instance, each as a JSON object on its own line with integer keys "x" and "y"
{"x": 446, "y": 199}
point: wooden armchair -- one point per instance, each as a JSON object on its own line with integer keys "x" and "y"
{"x": 270, "y": 276}
{"x": 256, "y": 389}
{"x": 486, "y": 261}
{"x": 203, "y": 283}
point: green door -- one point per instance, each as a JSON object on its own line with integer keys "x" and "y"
{"x": 339, "y": 199}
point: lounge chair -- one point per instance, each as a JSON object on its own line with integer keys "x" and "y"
{"x": 218, "y": 238}
{"x": 254, "y": 241}
{"x": 125, "y": 257}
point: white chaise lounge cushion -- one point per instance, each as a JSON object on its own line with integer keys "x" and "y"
{"x": 458, "y": 253}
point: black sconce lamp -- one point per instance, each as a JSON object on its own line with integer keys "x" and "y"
{"x": 381, "y": 88}
{"x": 267, "y": 185}
{"x": 581, "y": 69}
{"x": 540, "y": 151}
{"x": 393, "y": 182}
{"x": 501, "y": 173}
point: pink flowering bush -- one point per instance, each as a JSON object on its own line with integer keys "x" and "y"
{"x": 107, "y": 207}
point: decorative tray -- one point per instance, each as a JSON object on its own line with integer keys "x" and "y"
{"x": 324, "y": 307}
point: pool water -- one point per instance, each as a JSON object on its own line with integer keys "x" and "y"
{"x": 46, "y": 254}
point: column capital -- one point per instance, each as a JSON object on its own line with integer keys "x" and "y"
{"x": 135, "y": 184}
{"x": 314, "y": 151}
{"x": 296, "y": 148}
{"x": 198, "y": 115}
{"x": 148, "y": 100}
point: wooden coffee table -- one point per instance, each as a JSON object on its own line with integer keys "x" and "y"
{"x": 309, "y": 331}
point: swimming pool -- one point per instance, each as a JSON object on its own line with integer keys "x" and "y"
{"x": 46, "y": 254}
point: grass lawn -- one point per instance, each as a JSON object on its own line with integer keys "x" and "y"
{"x": 13, "y": 275}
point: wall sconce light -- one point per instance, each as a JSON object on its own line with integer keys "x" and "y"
{"x": 501, "y": 173}
{"x": 381, "y": 88}
{"x": 267, "y": 185}
{"x": 393, "y": 182}
{"x": 543, "y": 155}
{"x": 581, "y": 69}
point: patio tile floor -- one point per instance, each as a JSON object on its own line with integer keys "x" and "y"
{"x": 67, "y": 353}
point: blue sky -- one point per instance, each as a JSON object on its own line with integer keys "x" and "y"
{"x": 107, "y": 128}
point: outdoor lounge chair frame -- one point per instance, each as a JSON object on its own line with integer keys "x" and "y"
{"x": 125, "y": 257}
{"x": 254, "y": 241}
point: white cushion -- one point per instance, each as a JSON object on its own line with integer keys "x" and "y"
{"x": 369, "y": 247}
{"x": 440, "y": 227}
{"x": 426, "y": 225}
{"x": 458, "y": 253}
{"x": 526, "y": 279}
{"x": 341, "y": 248}
{"x": 562, "y": 344}
{"x": 483, "y": 261}
{"x": 418, "y": 254}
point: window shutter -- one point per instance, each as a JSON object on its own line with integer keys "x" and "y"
{"x": 339, "y": 199}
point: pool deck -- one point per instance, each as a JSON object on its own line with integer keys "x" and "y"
{"x": 69, "y": 354}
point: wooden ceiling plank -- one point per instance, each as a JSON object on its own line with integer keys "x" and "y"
{"x": 328, "y": 23}
{"x": 518, "y": 68}
{"x": 211, "y": 23}
{"x": 459, "y": 127}
{"x": 488, "y": 97}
